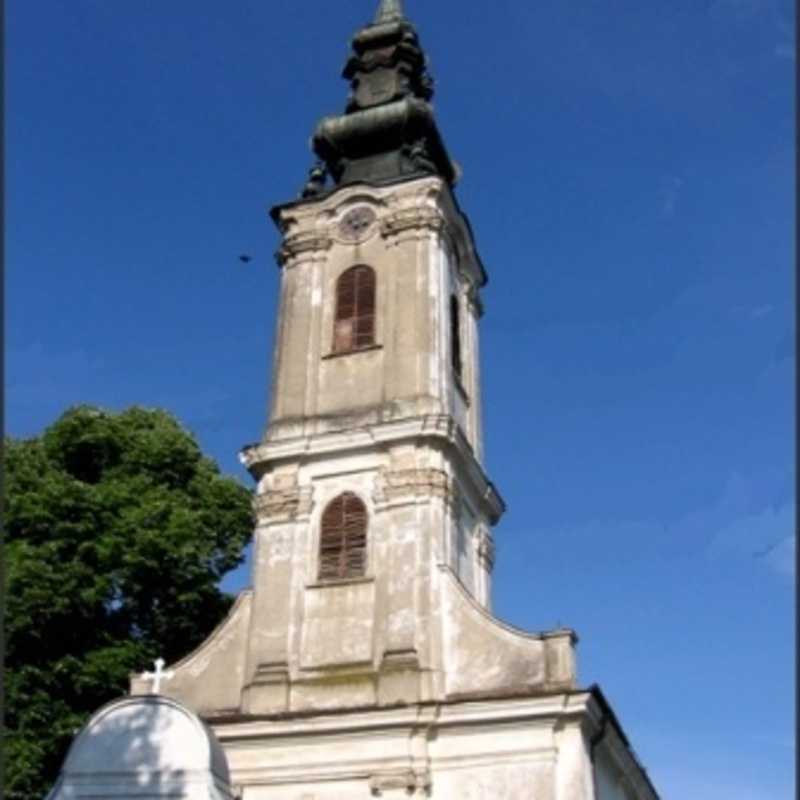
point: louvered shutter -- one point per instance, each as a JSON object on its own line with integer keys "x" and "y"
{"x": 365, "y": 307}
{"x": 354, "y": 326}
{"x": 343, "y": 539}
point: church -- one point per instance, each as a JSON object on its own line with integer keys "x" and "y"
{"x": 365, "y": 661}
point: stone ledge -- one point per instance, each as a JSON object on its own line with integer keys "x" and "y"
{"x": 369, "y": 349}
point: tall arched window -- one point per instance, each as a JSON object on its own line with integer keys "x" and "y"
{"x": 354, "y": 326}
{"x": 343, "y": 539}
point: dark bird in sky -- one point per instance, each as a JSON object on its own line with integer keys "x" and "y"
{"x": 245, "y": 259}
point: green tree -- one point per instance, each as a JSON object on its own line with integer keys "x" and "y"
{"x": 117, "y": 533}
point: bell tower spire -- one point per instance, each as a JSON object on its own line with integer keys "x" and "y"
{"x": 387, "y": 131}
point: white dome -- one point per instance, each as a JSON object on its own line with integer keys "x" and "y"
{"x": 146, "y": 740}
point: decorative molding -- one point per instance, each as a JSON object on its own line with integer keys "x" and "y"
{"x": 419, "y": 218}
{"x": 283, "y": 505}
{"x": 298, "y": 244}
{"x": 442, "y": 427}
{"x": 419, "y": 191}
{"x": 411, "y": 484}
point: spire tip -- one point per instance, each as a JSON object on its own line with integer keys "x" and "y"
{"x": 388, "y": 11}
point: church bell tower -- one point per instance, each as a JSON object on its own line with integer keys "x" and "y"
{"x": 374, "y": 513}
{"x": 369, "y": 474}
{"x": 373, "y": 549}
{"x": 365, "y": 656}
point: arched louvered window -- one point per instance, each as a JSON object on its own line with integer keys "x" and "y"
{"x": 354, "y": 326}
{"x": 455, "y": 336}
{"x": 343, "y": 539}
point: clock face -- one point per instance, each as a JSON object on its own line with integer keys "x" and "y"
{"x": 355, "y": 222}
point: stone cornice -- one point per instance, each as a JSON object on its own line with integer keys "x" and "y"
{"x": 426, "y": 197}
{"x": 523, "y": 708}
{"x": 403, "y": 768}
{"x": 442, "y": 427}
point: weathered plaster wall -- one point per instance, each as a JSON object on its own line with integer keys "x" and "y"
{"x": 504, "y": 749}
{"x": 480, "y": 651}
{"x": 417, "y": 245}
{"x": 210, "y": 678}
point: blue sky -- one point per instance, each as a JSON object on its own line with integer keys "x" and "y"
{"x": 628, "y": 171}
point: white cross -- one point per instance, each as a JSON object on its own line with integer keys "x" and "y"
{"x": 158, "y": 675}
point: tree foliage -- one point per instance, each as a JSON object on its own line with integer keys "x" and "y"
{"x": 117, "y": 533}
